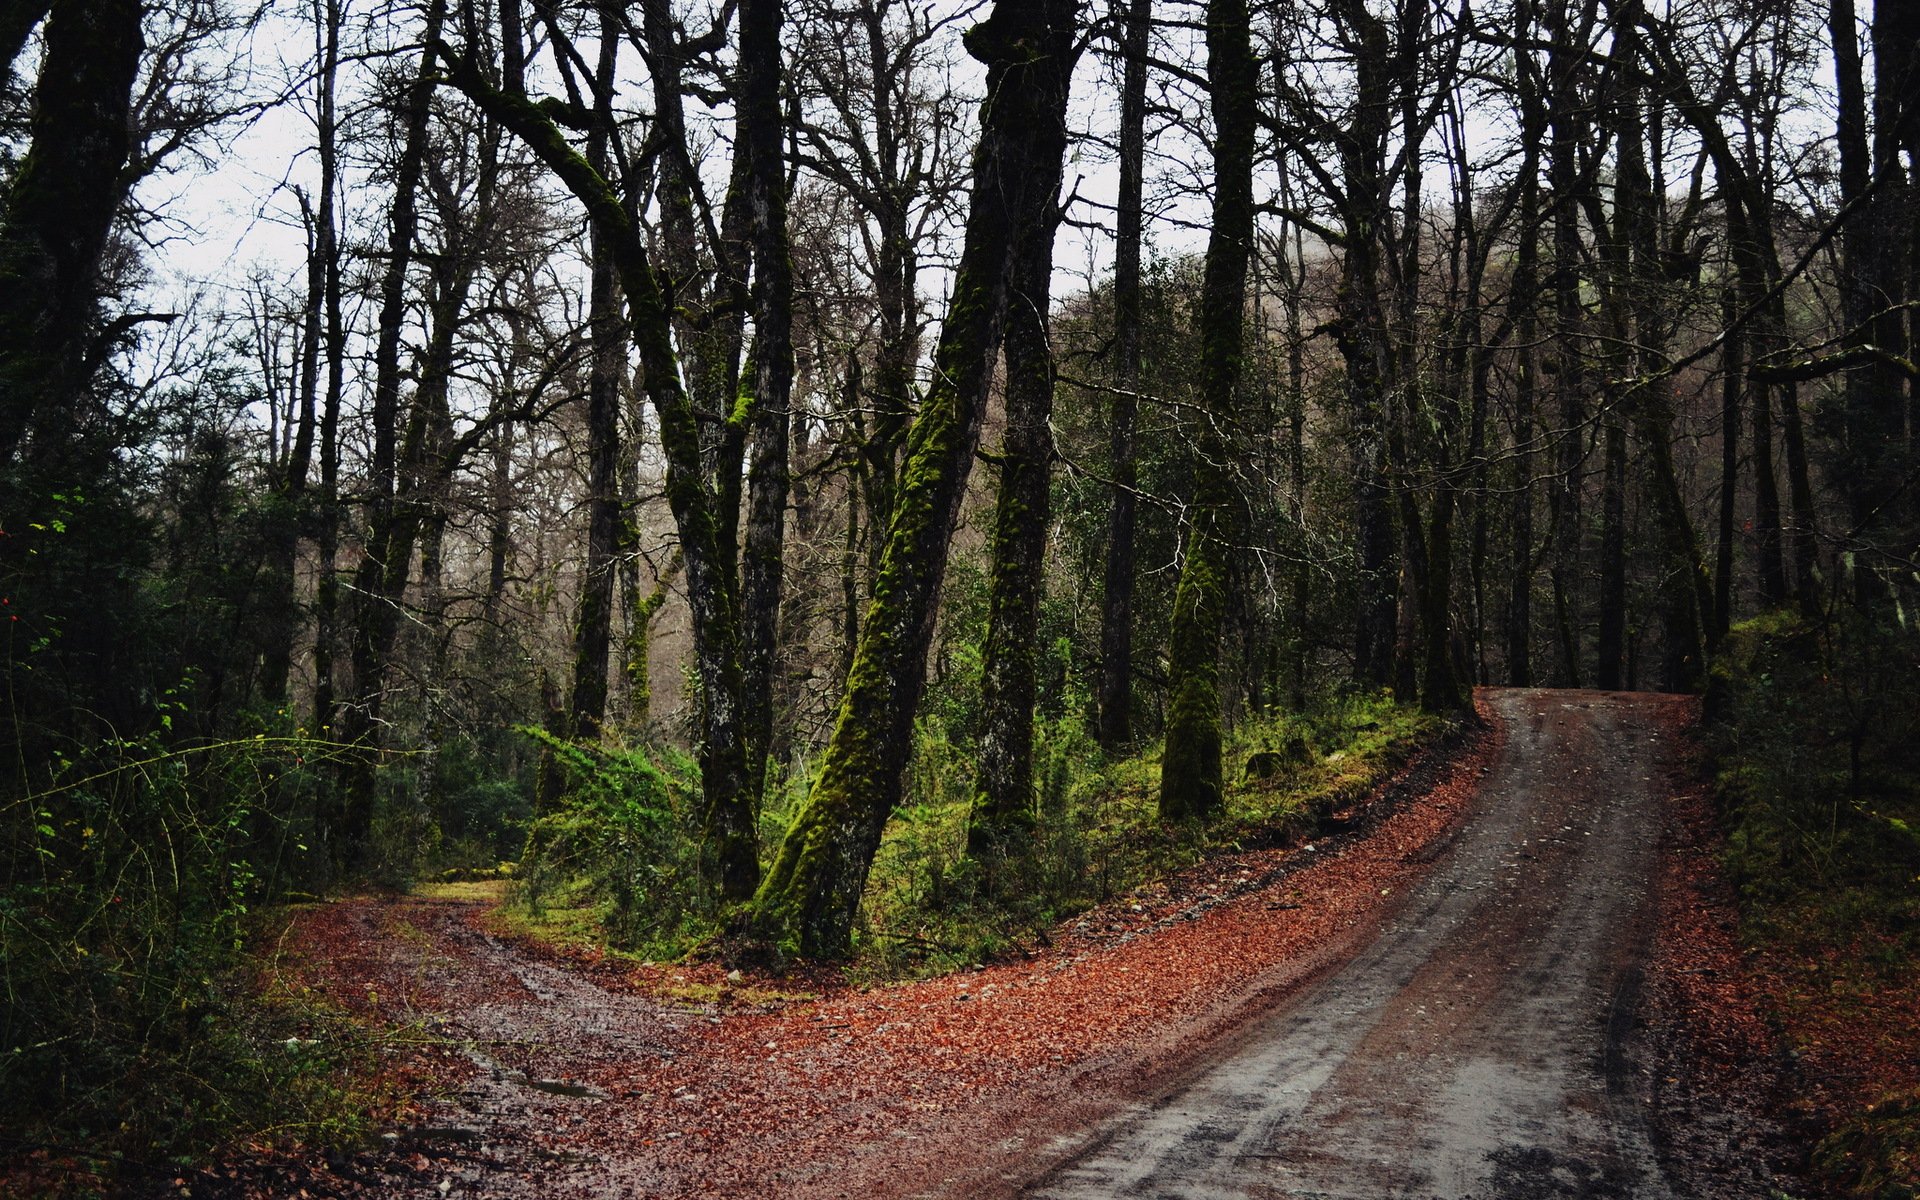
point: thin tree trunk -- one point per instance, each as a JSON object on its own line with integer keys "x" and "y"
{"x": 326, "y": 599}
{"x": 762, "y": 563}
{"x": 1566, "y": 36}
{"x": 1731, "y": 378}
{"x": 593, "y": 623}
{"x": 291, "y": 488}
{"x": 1116, "y": 615}
{"x": 1523, "y": 305}
{"x": 381, "y": 577}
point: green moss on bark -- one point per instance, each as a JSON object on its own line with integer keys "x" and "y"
{"x": 809, "y": 899}
{"x": 1190, "y": 772}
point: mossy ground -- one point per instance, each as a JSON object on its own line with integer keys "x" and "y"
{"x": 1097, "y": 834}
{"x": 929, "y": 909}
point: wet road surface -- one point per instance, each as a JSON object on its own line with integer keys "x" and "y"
{"x": 1473, "y": 1050}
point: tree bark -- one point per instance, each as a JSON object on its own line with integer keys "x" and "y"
{"x": 730, "y": 855}
{"x": 1116, "y": 614}
{"x": 772, "y": 359}
{"x": 808, "y": 901}
{"x": 593, "y": 623}
{"x": 1731, "y": 377}
{"x": 1523, "y": 305}
{"x": 1003, "y": 810}
{"x": 1568, "y": 32}
{"x": 1191, "y": 777}
{"x": 381, "y": 577}
{"x": 1360, "y": 330}
{"x": 58, "y": 213}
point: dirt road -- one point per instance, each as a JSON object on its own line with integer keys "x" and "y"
{"x": 1434, "y": 1004}
{"x": 1474, "y": 1049}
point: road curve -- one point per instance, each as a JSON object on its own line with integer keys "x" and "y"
{"x": 1473, "y": 1049}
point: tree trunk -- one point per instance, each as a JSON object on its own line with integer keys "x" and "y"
{"x": 761, "y": 567}
{"x": 1003, "y": 810}
{"x": 58, "y": 212}
{"x": 326, "y": 599}
{"x": 1523, "y": 306}
{"x": 1610, "y": 645}
{"x": 813, "y": 890}
{"x": 1191, "y": 780}
{"x": 593, "y": 623}
{"x": 1731, "y": 378}
{"x": 1116, "y": 614}
{"x": 381, "y": 577}
{"x": 1566, "y": 38}
{"x": 731, "y": 856}
{"x": 1687, "y": 589}
{"x": 1360, "y": 330}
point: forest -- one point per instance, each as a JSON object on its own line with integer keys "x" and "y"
{"x": 741, "y": 469}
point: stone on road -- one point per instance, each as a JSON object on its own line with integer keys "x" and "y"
{"x": 1474, "y": 1049}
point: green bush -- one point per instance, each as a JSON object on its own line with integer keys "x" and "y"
{"x": 1816, "y": 741}
{"x": 622, "y": 839}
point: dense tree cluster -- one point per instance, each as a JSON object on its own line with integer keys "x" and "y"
{"x": 703, "y": 375}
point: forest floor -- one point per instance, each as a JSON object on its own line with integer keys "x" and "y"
{"x": 1523, "y": 919}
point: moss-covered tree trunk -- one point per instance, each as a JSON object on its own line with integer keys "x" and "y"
{"x": 1003, "y": 794}
{"x": 1190, "y": 772}
{"x": 593, "y": 619}
{"x": 59, "y": 209}
{"x": 1116, "y": 614}
{"x": 812, "y": 892}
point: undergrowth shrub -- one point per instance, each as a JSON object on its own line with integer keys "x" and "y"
{"x": 1815, "y": 737}
{"x": 622, "y": 841}
{"x": 1816, "y": 740}
{"x": 130, "y": 1029}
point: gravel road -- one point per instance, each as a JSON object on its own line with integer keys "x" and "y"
{"x": 1475, "y": 1048}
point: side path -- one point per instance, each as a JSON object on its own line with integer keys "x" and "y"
{"x": 1478, "y": 1048}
